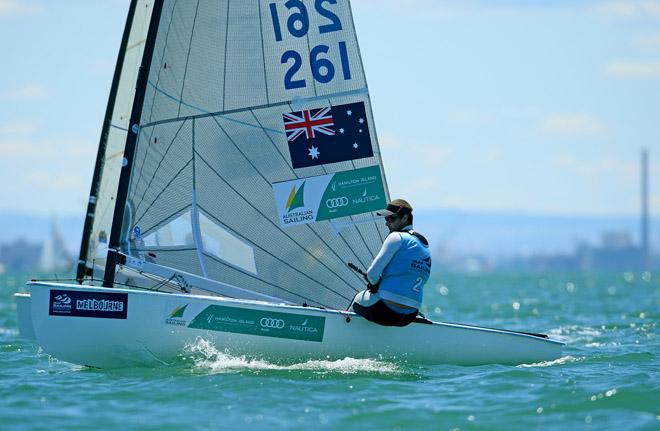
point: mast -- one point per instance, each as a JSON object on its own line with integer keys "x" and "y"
{"x": 131, "y": 141}
{"x": 100, "y": 155}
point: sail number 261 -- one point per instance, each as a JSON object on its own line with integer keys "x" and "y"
{"x": 297, "y": 24}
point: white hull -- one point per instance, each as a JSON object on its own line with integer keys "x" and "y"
{"x": 157, "y": 327}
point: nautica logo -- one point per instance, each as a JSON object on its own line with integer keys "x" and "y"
{"x": 296, "y": 198}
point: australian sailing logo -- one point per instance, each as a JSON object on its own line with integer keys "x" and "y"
{"x": 176, "y": 316}
{"x": 295, "y": 207}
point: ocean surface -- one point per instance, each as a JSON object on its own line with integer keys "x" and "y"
{"x": 608, "y": 378}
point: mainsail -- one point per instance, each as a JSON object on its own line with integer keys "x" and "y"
{"x": 252, "y": 157}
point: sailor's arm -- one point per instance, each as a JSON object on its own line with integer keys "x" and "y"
{"x": 391, "y": 245}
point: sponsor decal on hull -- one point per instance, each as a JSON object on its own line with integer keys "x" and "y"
{"x": 88, "y": 304}
{"x": 260, "y": 322}
{"x": 175, "y": 317}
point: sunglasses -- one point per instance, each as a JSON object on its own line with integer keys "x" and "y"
{"x": 390, "y": 218}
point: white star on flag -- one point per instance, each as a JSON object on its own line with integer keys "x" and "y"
{"x": 355, "y": 145}
{"x": 341, "y": 130}
{"x": 361, "y": 120}
{"x": 349, "y": 112}
{"x": 314, "y": 152}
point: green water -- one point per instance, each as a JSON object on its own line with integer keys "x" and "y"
{"x": 609, "y": 377}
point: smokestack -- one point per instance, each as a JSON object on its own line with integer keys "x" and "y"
{"x": 644, "y": 234}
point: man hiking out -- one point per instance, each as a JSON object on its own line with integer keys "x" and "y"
{"x": 397, "y": 276}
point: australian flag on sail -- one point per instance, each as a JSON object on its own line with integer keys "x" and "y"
{"x": 328, "y": 135}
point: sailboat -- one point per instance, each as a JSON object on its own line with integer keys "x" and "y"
{"x": 238, "y": 172}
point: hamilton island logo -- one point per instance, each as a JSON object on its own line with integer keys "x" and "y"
{"x": 176, "y": 316}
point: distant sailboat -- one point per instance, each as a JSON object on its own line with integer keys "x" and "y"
{"x": 238, "y": 172}
{"x": 55, "y": 256}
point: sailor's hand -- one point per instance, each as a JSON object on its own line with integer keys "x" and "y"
{"x": 373, "y": 288}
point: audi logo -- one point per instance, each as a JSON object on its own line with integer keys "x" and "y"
{"x": 267, "y": 322}
{"x": 336, "y": 202}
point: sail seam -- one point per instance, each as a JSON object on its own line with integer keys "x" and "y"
{"x": 153, "y": 99}
{"x": 185, "y": 70}
{"x": 162, "y": 191}
{"x": 224, "y": 65}
{"x": 135, "y": 190}
{"x": 263, "y": 54}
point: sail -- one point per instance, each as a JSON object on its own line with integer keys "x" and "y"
{"x": 256, "y": 160}
{"x": 113, "y": 138}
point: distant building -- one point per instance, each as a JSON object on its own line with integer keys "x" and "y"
{"x": 617, "y": 251}
{"x": 20, "y": 255}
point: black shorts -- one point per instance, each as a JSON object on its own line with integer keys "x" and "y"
{"x": 383, "y": 315}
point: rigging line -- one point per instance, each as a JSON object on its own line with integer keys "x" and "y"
{"x": 309, "y": 55}
{"x": 297, "y": 177}
{"x": 162, "y": 191}
{"x": 137, "y": 182}
{"x": 160, "y": 70}
{"x": 268, "y": 182}
{"x": 160, "y": 223}
{"x": 263, "y": 53}
{"x": 136, "y": 44}
{"x": 185, "y": 70}
{"x": 166, "y": 248}
{"x": 271, "y": 222}
{"x": 206, "y": 113}
{"x": 123, "y": 129}
{"x": 191, "y": 248}
{"x": 296, "y": 295}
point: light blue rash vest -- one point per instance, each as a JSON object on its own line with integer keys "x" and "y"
{"x": 407, "y": 269}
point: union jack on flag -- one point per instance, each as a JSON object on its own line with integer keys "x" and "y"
{"x": 308, "y": 122}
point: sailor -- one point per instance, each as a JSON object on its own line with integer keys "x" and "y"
{"x": 397, "y": 276}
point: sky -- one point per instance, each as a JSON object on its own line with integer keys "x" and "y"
{"x": 511, "y": 105}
